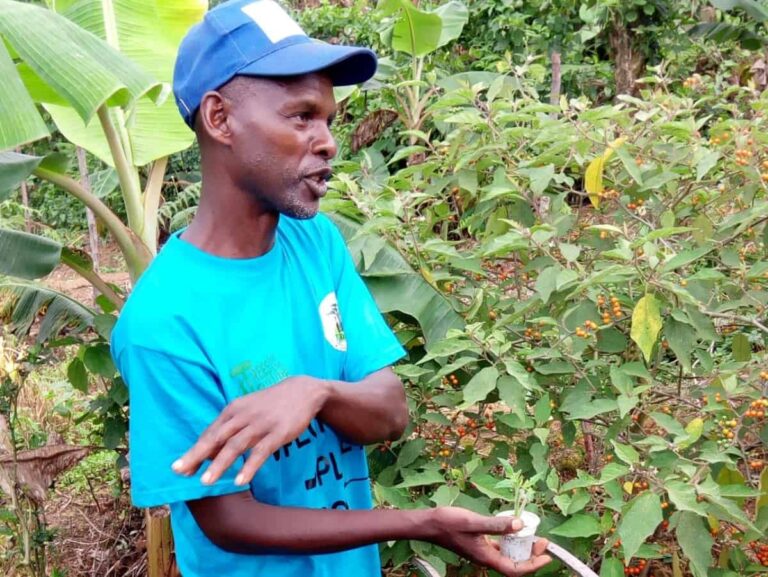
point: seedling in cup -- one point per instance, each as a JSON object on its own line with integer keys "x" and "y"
{"x": 518, "y": 546}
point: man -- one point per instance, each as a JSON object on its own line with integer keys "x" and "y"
{"x": 252, "y": 339}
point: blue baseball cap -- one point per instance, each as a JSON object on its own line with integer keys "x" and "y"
{"x": 257, "y": 38}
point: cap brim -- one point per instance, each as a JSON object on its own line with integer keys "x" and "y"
{"x": 344, "y": 65}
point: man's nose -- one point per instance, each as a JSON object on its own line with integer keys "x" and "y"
{"x": 323, "y": 143}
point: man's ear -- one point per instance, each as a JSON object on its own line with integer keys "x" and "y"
{"x": 214, "y": 117}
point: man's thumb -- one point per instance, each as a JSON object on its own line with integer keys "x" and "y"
{"x": 503, "y": 525}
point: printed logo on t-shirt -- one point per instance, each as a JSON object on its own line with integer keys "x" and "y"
{"x": 331, "y": 319}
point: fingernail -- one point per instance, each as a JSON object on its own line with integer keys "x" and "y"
{"x": 177, "y": 465}
{"x": 240, "y": 480}
{"x": 206, "y": 478}
{"x": 517, "y": 524}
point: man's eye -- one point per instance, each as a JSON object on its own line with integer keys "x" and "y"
{"x": 303, "y": 116}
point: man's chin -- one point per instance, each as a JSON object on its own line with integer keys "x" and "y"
{"x": 303, "y": 212}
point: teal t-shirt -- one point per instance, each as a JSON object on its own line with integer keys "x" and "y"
{"x": 199, "y": 331}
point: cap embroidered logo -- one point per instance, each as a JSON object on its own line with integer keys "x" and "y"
{"x": 273, "y": 20}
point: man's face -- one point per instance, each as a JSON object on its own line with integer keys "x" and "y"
{"x": 281, "y": 141}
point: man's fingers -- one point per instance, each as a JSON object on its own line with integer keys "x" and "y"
{"x": 525, "y": 567}
{"x": 228, "y": 454}
{"x": 496, "y": 525}
{"x": 206, "y": 447}
{"x": 539, "y": 547}
{"x": 259, "y": 454}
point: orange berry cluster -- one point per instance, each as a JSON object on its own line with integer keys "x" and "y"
{"x": 588, "y": 327}
{"x": 757, "y": 409}
{"x": 719, "y": 139}
{"x": 635, "y": 569}
{"x": 742, "y": 156}
{"x": 615, "y": 308}
{"x": 610, "y": 193}
{"x": 691, "y": 82}
{"x": 450, "y": 380}
{"x": 761, "y": 552}
{"x": 756, "y": 464}
{"x": 532, "y": 334}
{"x": 764, "y": 375}
{"x": 726, "y": 428}
{"x": 636, "y": 204}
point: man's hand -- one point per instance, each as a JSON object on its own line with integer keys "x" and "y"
{"x": 464, "y": 533}
{"x": 261, "y": 422}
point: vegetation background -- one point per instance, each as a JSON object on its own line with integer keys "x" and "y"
{"x": 560, "y": 206}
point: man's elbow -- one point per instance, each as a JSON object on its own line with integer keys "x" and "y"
{"x": 399, "y": 416}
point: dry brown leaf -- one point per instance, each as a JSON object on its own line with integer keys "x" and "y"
{"x": 371, "y": 127}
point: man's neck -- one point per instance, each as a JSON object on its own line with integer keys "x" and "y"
{"x": 231, "y": 226}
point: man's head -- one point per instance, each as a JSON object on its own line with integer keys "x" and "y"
{"x": 257, "y": 38}
{"x": 259, "y": 94}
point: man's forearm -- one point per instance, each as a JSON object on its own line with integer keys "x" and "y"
{"x": 240, "y": 524}
{"x": 370, "y": 411}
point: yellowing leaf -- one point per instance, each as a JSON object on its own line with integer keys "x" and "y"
{"x": 628, "y": 487}
{"x": 593, "y": 178}
{"x": 646, "y": 324}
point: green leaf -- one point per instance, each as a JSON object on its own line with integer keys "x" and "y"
{"x": 478, "y": 388}
{"x": 98, "y": 360}
{"x": 546, "y": 282}
{"x": 416, "y": 32}
{"x": 611, "y": 340}
{"x": 683, "y": 497}
{"x": 540, "y": 177}
{"x": 681, "y": 338}
{"x": 646, "y": 324}
{"x": 77, "y": 65}
{"x": 578, "y": 526}
{"x": 445, "y": 496}
{"x": 512, "y": 394}
{"x": 412, "y": 479}
{"x": 706, "y": 163}
{"x": 696, "y": 542}
{"x": 693, "y": 431}
{"x": 641, "y": 517}
{"x": 114, "y": 432}
{"x": 25, "y": 124}
{"x": 630, "y": 165}
{"x": 686, "y": 257}
{"x": 118, "y": 392}
{"x": 27, "y": 255}
{"x": 742, "y": 349}
{"x": 410, "y": 451}
{"x": 611, "y": 567}
{"x": 626, "y": 453}
{"x": 14, "y": 168}
{"x": 454, "y": 16}
{"x": 77, "y": 375}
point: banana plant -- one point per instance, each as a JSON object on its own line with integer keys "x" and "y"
{"x": 101, "y": 70}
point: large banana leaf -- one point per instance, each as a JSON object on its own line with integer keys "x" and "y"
{"x": 25, "y": 124}
{"x": 149, "y": 33}
{"x": 27, "y": 255}
{"x": 23, "y": 303}
{"x": 395, "y": 285}
{"x": 81, "y": 68}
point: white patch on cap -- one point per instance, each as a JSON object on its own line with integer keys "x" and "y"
{"x": 273, "y": 20}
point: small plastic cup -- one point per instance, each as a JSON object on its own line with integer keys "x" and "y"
{"x": 518, "y": 546}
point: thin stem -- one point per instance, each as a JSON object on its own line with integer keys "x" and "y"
{"x": 98, "y": 283}
{"x": 126, "y": 173}
{"x": 152, "y": 202}
{"x": 136, "y": 255}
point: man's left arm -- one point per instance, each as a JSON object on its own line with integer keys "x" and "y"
{"x": 369, "y": 411}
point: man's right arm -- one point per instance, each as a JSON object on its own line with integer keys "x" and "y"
{"x": 239, "y": 523}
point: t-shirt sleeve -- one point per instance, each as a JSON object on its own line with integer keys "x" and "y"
{"x": 371, "y": 345}
{"x": 172, "y": 401}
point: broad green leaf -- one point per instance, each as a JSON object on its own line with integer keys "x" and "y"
{"x": 481, "y": 384}
{"x": 540, "y": 177}
{"x": 27, "y": 255}
{"x": 681, "y": 338}
{"x": 578, "y": 526}
{"x": 630, "y": 165}
{"x": 686, "y": 257}
{"x": 410, "y": 451}
{"x": 25, "y": 124}
{"x": 397, "y": 287}
{"x": 641, "y": 517}
{"x": 646, "y": 324}
{"x": 611, "y": 340}
{"x": 416, "y": 32}
{"x": 77, "y": 375}
{"x": 706, "y": 163}
{"x": 419, "y": 479}
{"x": 547, "y": 282}
{"x": 149, "y": 33}
{"x": 626, "y": 453}
{"x": 763, "y": 500}
{"x": 454, "y": 16}
{"x": 611, "y": 567}
{"x": 693, "y": 431}
{"x": 445, "y": 496}
{"x": 77, "y": 65}
{"x": 14, "y": 168}
{"x": 98, "y": 360}
{"x": 512, "y": 394}
{"x": 114, "y": 432}
{"x": 696, "y": 542}
{"x": 683, "y": 497}
{"x": 742, "y": 349}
